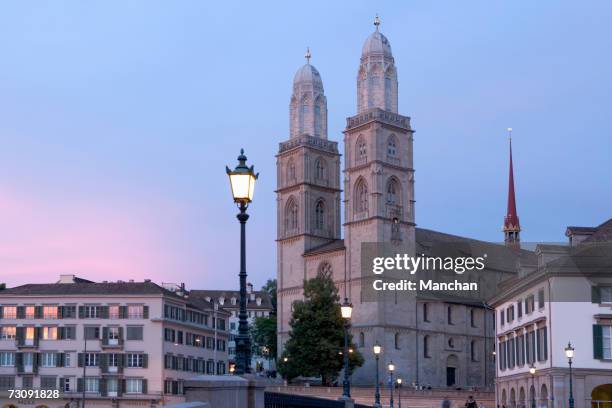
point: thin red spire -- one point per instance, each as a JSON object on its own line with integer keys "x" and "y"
{"x": 512, "y": 225}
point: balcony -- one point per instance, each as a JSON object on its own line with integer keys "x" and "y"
{"x": 111, "y": 343}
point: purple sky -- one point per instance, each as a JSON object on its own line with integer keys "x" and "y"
{"x": 117, "y": 119}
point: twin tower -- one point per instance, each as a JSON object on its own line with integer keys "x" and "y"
{"x": 378, "y": 185}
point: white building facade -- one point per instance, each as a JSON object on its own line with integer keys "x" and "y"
{"x": 119, "y": 342}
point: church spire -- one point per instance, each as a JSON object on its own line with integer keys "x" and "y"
{"x": 512, "y": 227}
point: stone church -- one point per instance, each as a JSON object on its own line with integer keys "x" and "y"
{"x": 431, "y": 343}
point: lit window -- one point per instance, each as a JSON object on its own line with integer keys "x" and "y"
{"x": 50, "y": 312}
{"x": 135, "y": 311}
{"x": 29, "y": 333}
{"x": 49, "y": 333}
{"x": 9, "y": 312}
{"x": 113, "y": 312}
{"x": 30, "y": 312}
{"x": 8, "y": 332}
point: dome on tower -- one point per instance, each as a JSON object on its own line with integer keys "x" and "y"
{"x": 308, "y": 74}
{"x": 376, "y": 44}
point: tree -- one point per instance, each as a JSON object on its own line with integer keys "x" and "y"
{"x": 270, "y": 288}
{"x": 263, "y": 333}
{"x": 316, "y": 338}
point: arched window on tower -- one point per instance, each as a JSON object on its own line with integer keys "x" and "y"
{"x": 361, "y": 151}
{"x": 361, "y": 197}
{"x": 325, "y": 270}
{"x": 291, "y": 216}
{"x": 392, "y": 191}
{"x": 290, "y": 171}
{"x": 392, "y": 146}
{"x": 320, "y": 169}
{"x": 320, "y": 215}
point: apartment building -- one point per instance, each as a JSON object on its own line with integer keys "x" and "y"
{"x": 258, "y": 305}
{"x": 122, "y": 343}
{"x": 568, "y": 298}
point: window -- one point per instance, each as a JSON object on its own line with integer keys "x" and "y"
{"x": 135, "y": 360}
{"x": 7, "y": 359}
{"x": 320, "y": 215}
{"x": 361, "y": 196}
{"x": 113, "y": 333}
{"x": 501, "y": 317}
{"x": 605, "y": 294}
{"x": 7, "y": 382}
{"x": 426, "y": 347}
{"x": 48, "y": 359}
{"x": 92, "y": 333}
{"x": 91, "y": 312}
{"x": 606, "y": 332}
{"x": 29, "y": 333}
{"x": 50, "y": 312}
{"x": 449, "y": 315}
{"x": 67, "y": 384}
{"x": 361, "y": 339}
{"x": 391, "y": 146}
{"x": 30, "y": 312}
{"x": 113, "y": 360}
{"x": 48, "y": 382}
{"x": 8, "y": 332}
{"x": 69, "y": 312}
{"x": 28, "y": 359}
{"x": 169, "y": 335}
{"x": 361, "y": 148}
{"x": 112, "y": 385}
{"x": 473, "y": 318}
{"x": 529, "y": 304}
{"x": 425, "y": 312}
{"x": 396, "y": 340}
{"x": 519, "y": 308}
{"x": 290, "y": 171}
{"x": 291, "y": 216}
{"x": 69, "y": 332}
{"x": 540, "y": 298}
{"x": 9, "y": 312}
{"x": 542, "y": 340}
{"x": 91, "y": 359}
{"x": 392, "y": 190}
{"x": 320, "y": 169}
{"x": 92, "y": 384}
{"x": 135, "y": 311}
{"x": 134, "y": 332}
{"x": 67, "y": 360}
{"x": 473, "y": 350}
{"x": 451, "y": 342}
{"x": 113, "y": 312}
{"x": 49, "y": 333}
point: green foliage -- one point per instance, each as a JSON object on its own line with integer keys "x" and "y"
{"x": 270, "y": 287}
{"x": 263, "y": 334}
{"x": 316, "y": 339}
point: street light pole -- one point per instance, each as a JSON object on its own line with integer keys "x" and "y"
{"x": 377, "y": 350}
{"x": 399, "y": 393}
{"x": 346, "y": 310}
{"x": 569, "y": 353}
{"x": 532, "y": 371}
{"x": 242, "y": 182}
{"x": 391, "y": 368}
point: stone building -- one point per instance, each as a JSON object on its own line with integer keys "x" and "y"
{"x": 432, "y": 343}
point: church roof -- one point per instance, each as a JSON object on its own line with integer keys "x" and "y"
{"x": 335, "y": 245}
{"x": 308, "y": 74}
{"x": 376, "y": 44}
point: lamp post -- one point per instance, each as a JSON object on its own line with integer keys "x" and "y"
{"x": 532, "y": 371}
{"x": 569, "y": 353}
{"x": 399, "y": 393}
{"x": 346, "y": 310}
{"x": 242, "y": 182}
{"x": 377, "y": 350}
{"x": 391, "y": 368}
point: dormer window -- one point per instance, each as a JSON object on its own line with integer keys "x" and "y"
{"x": 233, "y": 301}
{"x": 258, "y": 300}
{"x": 221, "y": 300}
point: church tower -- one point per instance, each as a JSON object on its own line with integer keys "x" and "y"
{"x": 512, "y": 226}
{"x": 379, "y": 174}
{"x": 308, "y": 187}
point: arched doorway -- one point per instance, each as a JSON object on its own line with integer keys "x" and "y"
{"x": 521, "y": 401}
{"x": 601, "y": 396}
{"x": 504, "y": 398}
{"x": 544, "y": 396}
{"x": 512, "y": 398}
{"x": 452, "y": 363}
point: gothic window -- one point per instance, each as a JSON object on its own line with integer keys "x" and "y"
{"x": 291, "y": 216}
{"x": 473, "y": 350}
{"x": 392, "y": 191}
{"x": 396, "y": 341}
{"x": 392, "y": 146}
{"x": 320, "y": 169}
{"x": 361, "y": 149}
{"x": 361, "y": 196}
{"x": 426, "y": 347}
{"x": 290, "y": 171}
{"x": 320, "y": 215}
{"x": 325, "y": 270}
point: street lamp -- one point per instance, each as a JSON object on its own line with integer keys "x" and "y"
{"x": 377, "y": 350}
{"x": 532, "y": 371}
{"x": 399, "y": 393}
{"x": 346, "y": 309}
{"x": 391, "y": 368}
{"x": 242, "y": 182}
{"x": 569, "y": 353}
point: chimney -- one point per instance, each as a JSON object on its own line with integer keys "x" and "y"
{"x": 66, "y": 278}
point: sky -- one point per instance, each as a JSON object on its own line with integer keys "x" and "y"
{"x": 117, "y": 120}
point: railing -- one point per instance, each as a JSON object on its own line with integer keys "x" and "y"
{"x": 280, "y": 400}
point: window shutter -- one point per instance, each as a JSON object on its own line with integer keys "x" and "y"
{"x": 122, "y": 312}
{"x": 124, "y": 360}
{"x": 79, "y": 385}
{"x": 144, "y": 386}
{"x": 19, "y": 362}
{"x": 19, "y": 335}
{"x": 1, "y": 312}
{"x": 102, "y": 387}
{"x": 21, "y": 312}
{"x": 35, "y": 362}
{"x": 105, "y": 335}
{"x": 38, "y": 312}
{"x": 545, "y": 334}
{"x": 538, "y": 334}
{"x": 60, "y": 312}
{"x": 104, "y": 312}
{"x": 60, "y": 333}
{"x": 145, "y": 360}
{"x": 103, "y": 362}
{"x": 62, "y": 384}
{"x": 121, "y": 335}
{"x": 122, "y": 387}
{"x": 597, "y": 341}
{"x": 81, "y": 312}
{"x": 595, "y": 294}
{"x": 59, "y": 359}
{"x": 81, "y": 359}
